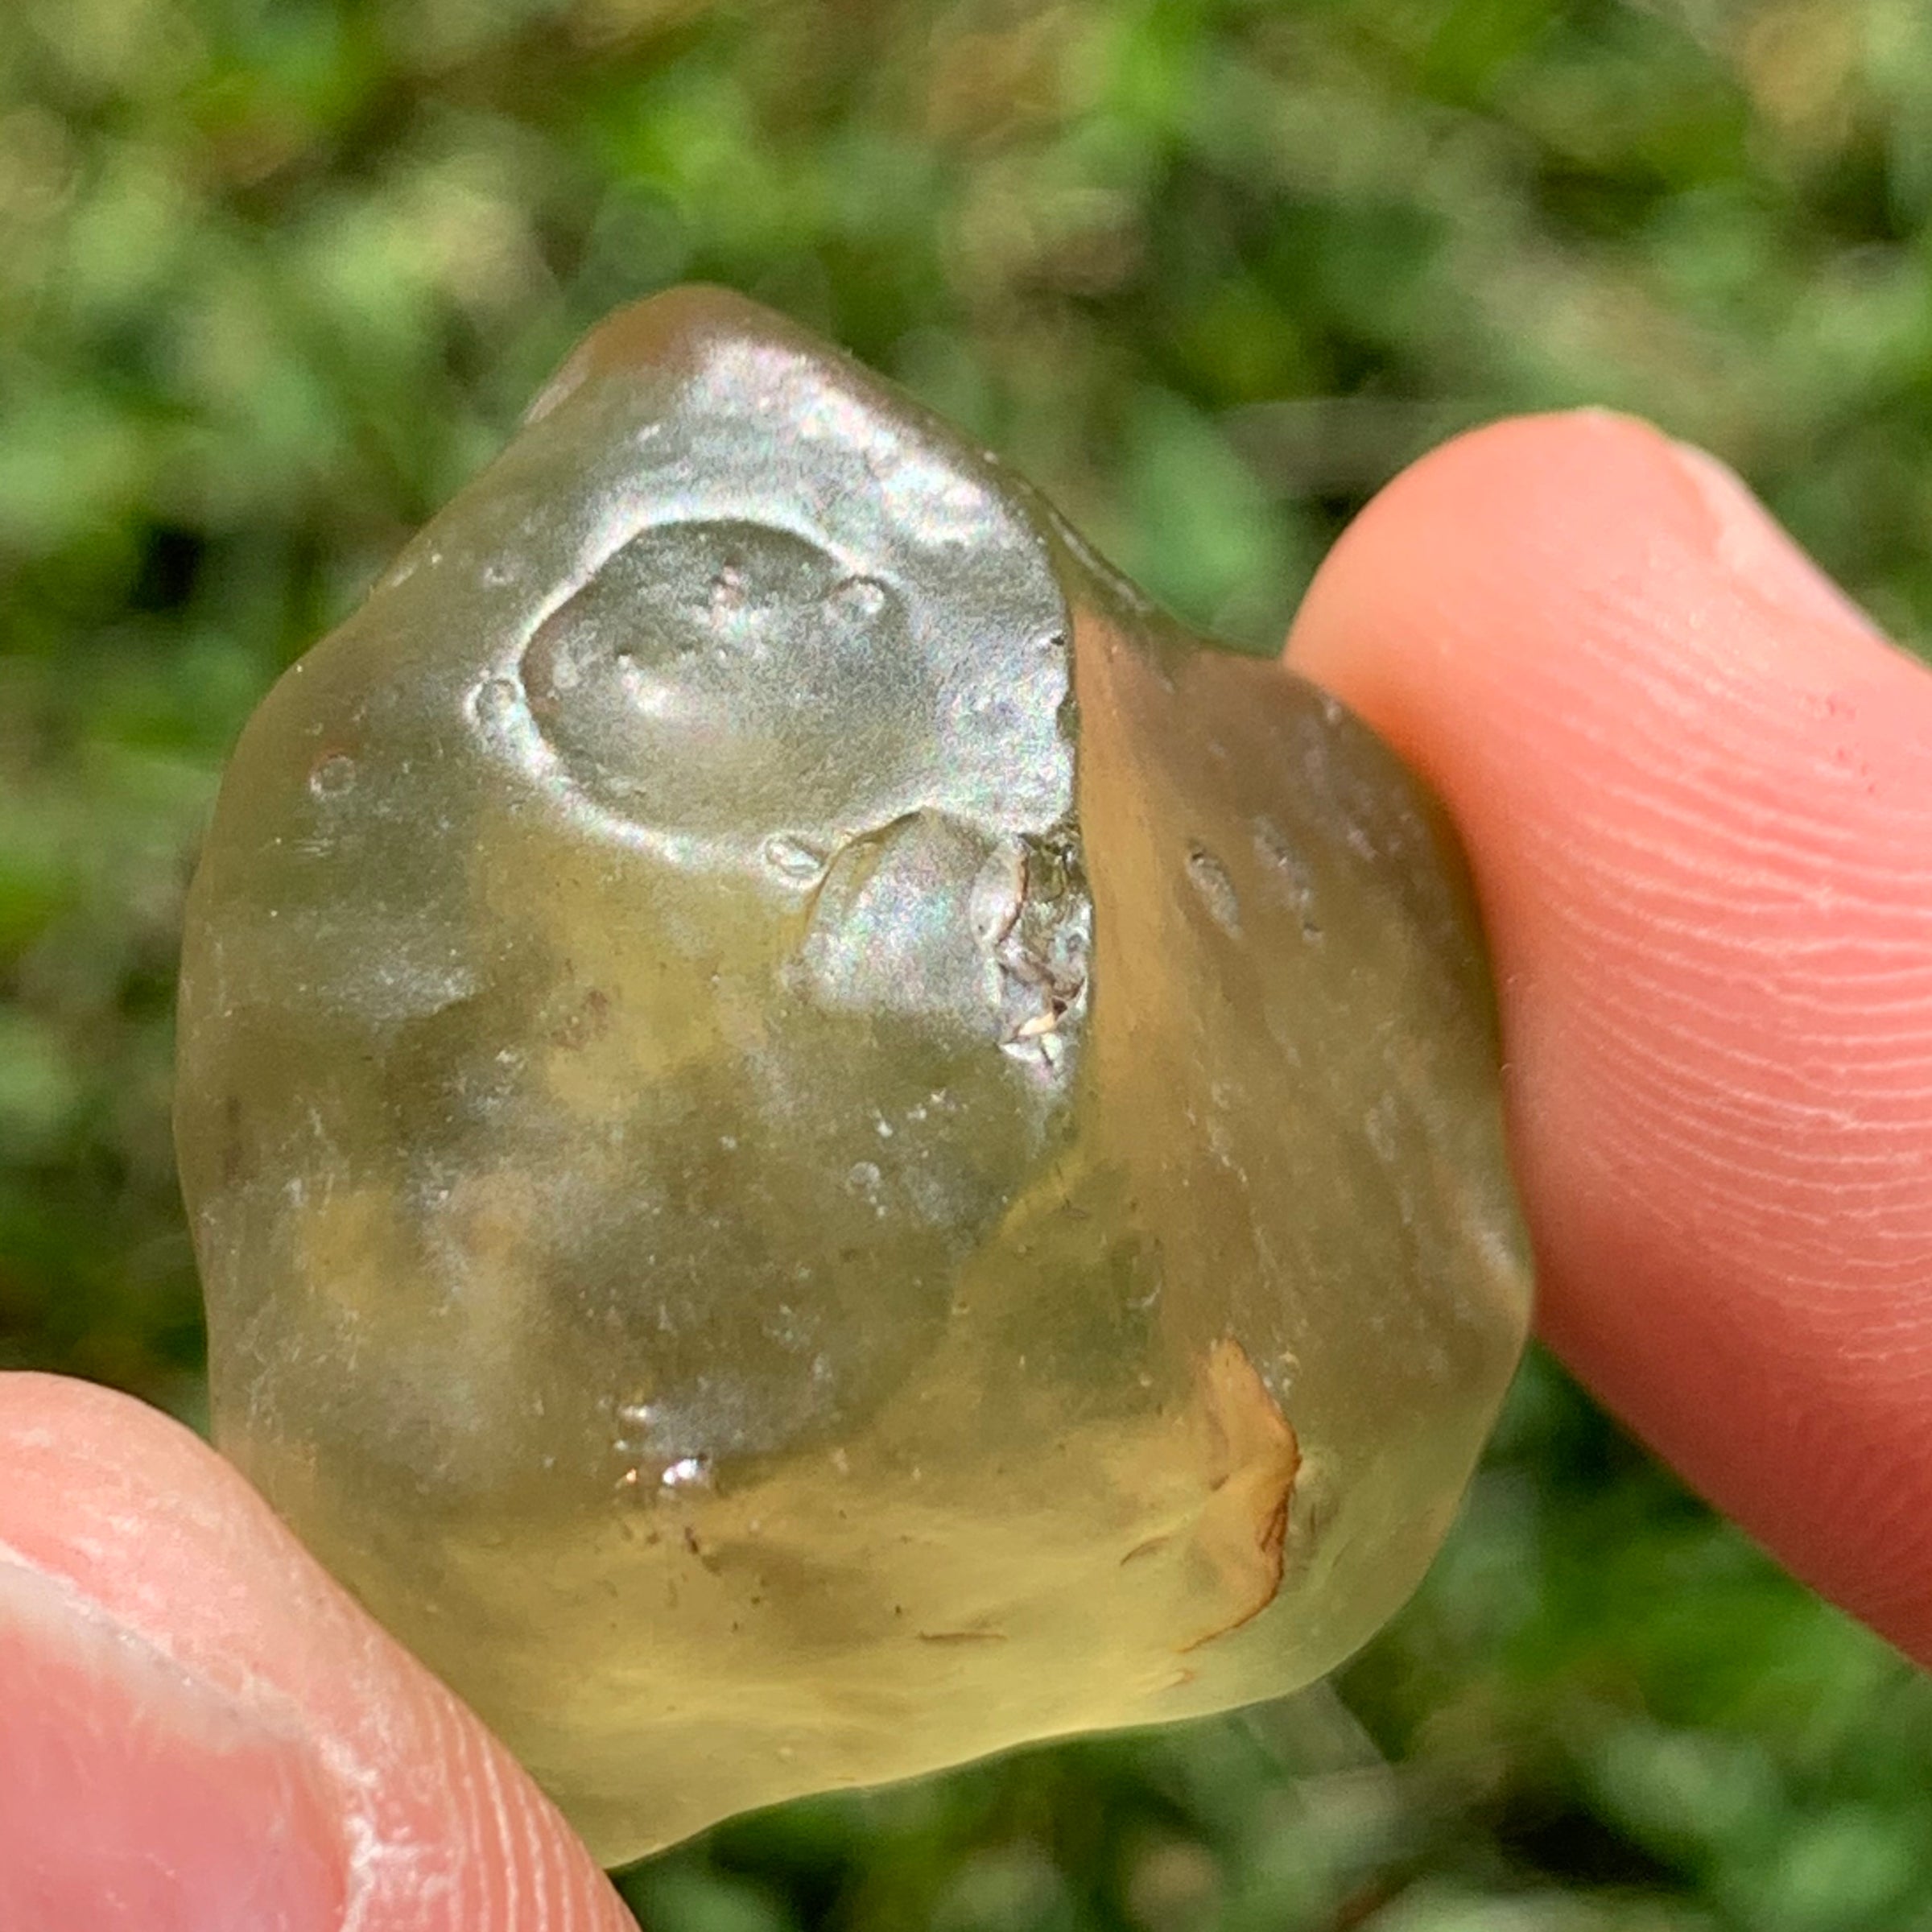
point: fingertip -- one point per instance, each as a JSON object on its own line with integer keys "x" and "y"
{"x": 133, "y": 1793}
{"x": 253, "y": 1740}
{"x": 1691, "y": 777}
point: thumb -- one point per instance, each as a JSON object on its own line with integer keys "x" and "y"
{"x": 199, "y": 1732}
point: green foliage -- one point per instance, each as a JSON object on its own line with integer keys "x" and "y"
{"x": 277, "y": 275}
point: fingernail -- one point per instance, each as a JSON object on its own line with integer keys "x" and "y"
{"x": 1751, "y": 545}
{"x": 133, "y": 1793}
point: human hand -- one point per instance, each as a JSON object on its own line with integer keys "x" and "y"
{"x": 1697, "y": 790}
{"x": 200, "y": 1731}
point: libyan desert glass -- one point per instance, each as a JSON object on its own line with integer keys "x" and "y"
{"x": 818, "y": 1144}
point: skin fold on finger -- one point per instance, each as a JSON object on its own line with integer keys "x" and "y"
{"x": 129, "y": 1796}
{"x": 203, "y": 1730}
{"x": 1696, "y": 786}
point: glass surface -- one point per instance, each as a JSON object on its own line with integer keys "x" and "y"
{"x": 818, "y": 1143}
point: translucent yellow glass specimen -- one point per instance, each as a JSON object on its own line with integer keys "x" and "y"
{"x": 819, "y": 1145}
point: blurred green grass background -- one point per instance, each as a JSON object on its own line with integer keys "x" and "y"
{"x": 276, "y": 276}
